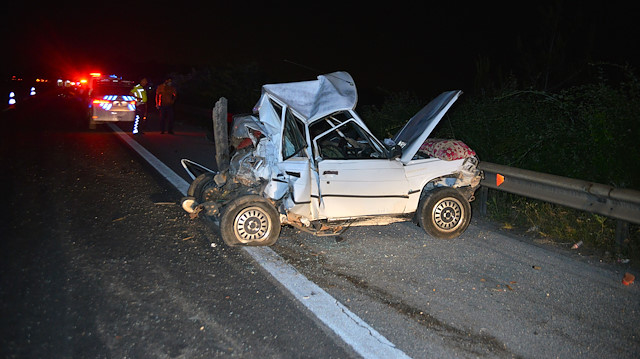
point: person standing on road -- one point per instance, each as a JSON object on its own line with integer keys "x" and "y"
{"x": 139, "y": 92}
{"x": 165, "y": 98}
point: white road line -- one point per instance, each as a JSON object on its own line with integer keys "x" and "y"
{"x": 365, "y": 340}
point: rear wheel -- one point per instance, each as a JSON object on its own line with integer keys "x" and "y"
{"x": 250, "y": 220}
{"x": 444, "y": 213}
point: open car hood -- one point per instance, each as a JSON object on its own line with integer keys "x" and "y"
{"x": 419, "y": 127}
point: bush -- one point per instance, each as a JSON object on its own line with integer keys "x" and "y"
{"x": 589, "y": 132}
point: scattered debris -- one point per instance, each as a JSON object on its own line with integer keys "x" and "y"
{"x": 185, "y": 239}
{"x": 577, "y": 245}
{"x": 628, "y": 278}
{"x": 119, "y": 219}
{"x": 536, "y": 267}
{"x": 164, "y": 203}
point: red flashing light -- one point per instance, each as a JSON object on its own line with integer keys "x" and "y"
{"x": 95, "y": 74}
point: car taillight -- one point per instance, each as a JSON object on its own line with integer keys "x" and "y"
{"x": 98, "y": 101}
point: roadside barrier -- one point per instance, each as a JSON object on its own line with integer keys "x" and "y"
{"x": 618, "y": 203}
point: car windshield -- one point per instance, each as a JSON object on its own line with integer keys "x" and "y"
{"x": 344, "y": 141}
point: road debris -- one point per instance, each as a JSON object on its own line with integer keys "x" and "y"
{"x": 577, "y": 245}
{"x": 628, "y": 278}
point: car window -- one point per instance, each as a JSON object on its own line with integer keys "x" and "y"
{"x": 103, "y": 90}
{"x": 344, "y": 141}
{"x": 277, "y": 108}
{"x": 293, "y": 139}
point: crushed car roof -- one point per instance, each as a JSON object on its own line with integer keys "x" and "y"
{"x": 314, "y": 99}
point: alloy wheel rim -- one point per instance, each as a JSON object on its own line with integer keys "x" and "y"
{"x": 448, "y": 214}
{"x": 252, "y": 224}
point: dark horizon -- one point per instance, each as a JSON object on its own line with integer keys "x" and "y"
{"x": 393, "y": 47}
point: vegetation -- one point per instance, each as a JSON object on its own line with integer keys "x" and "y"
{"x": 589, "y": 131}
{"x": 586, "y": 131}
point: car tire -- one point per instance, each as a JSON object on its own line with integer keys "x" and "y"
{"x": 444, "y": 213}
{"x": 251, "y": 221}
{"x": 199, "y": 184}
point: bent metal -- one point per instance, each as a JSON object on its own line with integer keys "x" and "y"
{"x": 306, "y": 159}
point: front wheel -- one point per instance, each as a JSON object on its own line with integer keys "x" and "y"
{"x": 250, "y": 220}
{"x": 444, "y": 213}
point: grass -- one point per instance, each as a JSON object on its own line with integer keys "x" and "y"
{"x": 564, "y": 227}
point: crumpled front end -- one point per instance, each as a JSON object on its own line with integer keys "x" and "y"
{"x": 466, "y": 179}
{"x": 251, "y": 168}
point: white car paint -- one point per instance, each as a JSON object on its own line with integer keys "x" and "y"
{"x": 317, "y": 159}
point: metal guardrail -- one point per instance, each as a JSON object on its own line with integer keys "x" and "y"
{"x": 618, "y": 203}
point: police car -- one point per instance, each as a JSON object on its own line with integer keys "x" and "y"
{"x": 110, "y": 100}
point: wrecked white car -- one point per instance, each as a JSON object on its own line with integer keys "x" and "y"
{"x": 306, "y": 159}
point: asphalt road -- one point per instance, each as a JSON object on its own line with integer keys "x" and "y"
{"x": 99, "y": 261}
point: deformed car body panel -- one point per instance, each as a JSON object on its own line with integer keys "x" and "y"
{"x": 314, "y": 99}
{"x": 316, "y": 160}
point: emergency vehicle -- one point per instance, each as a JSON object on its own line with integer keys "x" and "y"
{"x": 110, "y": 100}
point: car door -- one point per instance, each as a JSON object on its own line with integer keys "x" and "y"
{"x": 354, "y": 177}
{"x": 350, "y": 188}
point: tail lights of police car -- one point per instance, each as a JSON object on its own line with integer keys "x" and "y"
{"x": 108, "y": 101}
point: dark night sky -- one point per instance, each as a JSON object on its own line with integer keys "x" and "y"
{"x": 393, "y": 45}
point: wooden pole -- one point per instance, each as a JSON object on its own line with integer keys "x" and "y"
{"x": 220, "y": 134}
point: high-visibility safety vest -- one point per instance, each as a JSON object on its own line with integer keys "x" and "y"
{"x": 139, "y": 93}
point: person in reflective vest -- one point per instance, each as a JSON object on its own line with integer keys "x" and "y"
{"x": 139, "y": 92}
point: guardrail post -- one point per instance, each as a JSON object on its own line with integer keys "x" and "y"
{"x": 622, "y": 232}
{"x": 482, "y": 200}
